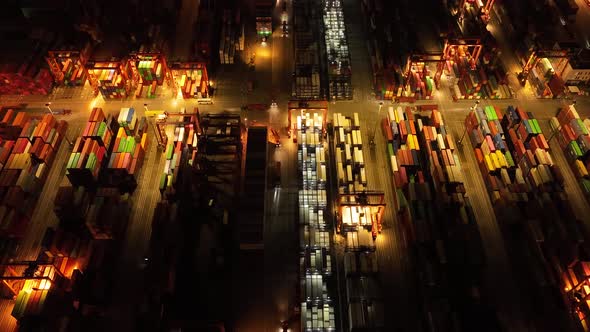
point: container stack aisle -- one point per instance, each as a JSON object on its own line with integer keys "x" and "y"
{"x": 306, "y": 82}
{"x": 231, "y": 39}
{"x": 573, "y": 136}
{"x": 527, "y": 189}
{"x": 473, "y": 79}
{"x": 25, "y": 161}
{"x": 317, "y": 306}
{"x": 191, "y": 79}
{"x": 420, "y": 84}
{"x": 338, "y": 61}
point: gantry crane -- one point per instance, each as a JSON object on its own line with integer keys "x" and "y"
{"x": 469, "y": 46}
{"x": 535, "y": 57}
{"x": 372, "y": 202}
{"x": 484, "y": 10}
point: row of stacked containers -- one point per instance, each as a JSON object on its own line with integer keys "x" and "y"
{"x": 384, "y": 51}
{"x": 317, "y": 301}
{"x": 446, "y": 252}
{"x": 231, "y": 40}
{"x": 338, "y": 54}
{"x": 526, "y": 188}
{"x": 78, "y": 257}
{"x": 573, "y": 135}
{"x": 364, "y": 300}
{"x": 306, "y": 81}
{"x": 28, "y": 146}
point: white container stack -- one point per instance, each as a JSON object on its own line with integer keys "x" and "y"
{"x": 339, "y": 71}
{"x": 317, "y": 310}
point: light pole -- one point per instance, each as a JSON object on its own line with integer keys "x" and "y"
{"x": 372, "y": 142}
{"x": 49, "y": 108}
{"x": 145, "y": 108}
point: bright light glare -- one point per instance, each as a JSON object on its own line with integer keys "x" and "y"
{"x": 263, "y": 44}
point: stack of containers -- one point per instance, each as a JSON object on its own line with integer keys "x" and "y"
{"x": 25, "y": 163}
{"x": 152, "y": 72}
{"x": 231, "y": 38}
{"x": 530, "y": 145}
{"x": 413, "y": 196}
{"x": 545, "y": 81}
{"x": 66, "y": 250}
{"x": 192, "y": 82}
{"x": 475, "y": 80}
{"x": 445, "y": 168}
{"x": 111, "y": 81}
{"x": 105, "y": 212}
{"x": 128, "y": 152}
{"x": 85, "y": 162}
{"x": 499, "y": 165}
{"x": 573, "y": 136}
{"x": 363, "y": 292}
{"x": 306, "y": 83}
{"x": 317, "y": 308}
{"x": 429, "y": 182}
{"x": 420, "y": 84}
{"x": 12, "y": 123}
{"x": 127, "y": 120}
{"x": 338, "y": 62}
{"x": 90, "y": 149}
{"x": 352, "y": 178}
{"x": 29, "y": 303}
{"x": 184, "y": 136}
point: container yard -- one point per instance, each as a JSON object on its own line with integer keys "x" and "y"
{"x": 316, "y": 292}
{"x": 573, "y": 135}
{"x": 191, "y": 79}
{"x": 428, "y": 179}
{"x": 68, "y": 66}
{"x": 307, "y": 80}
{"x": 338, "y": 54}
{"x": 231, "y": 39}
{"x": 527, "y": 190}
